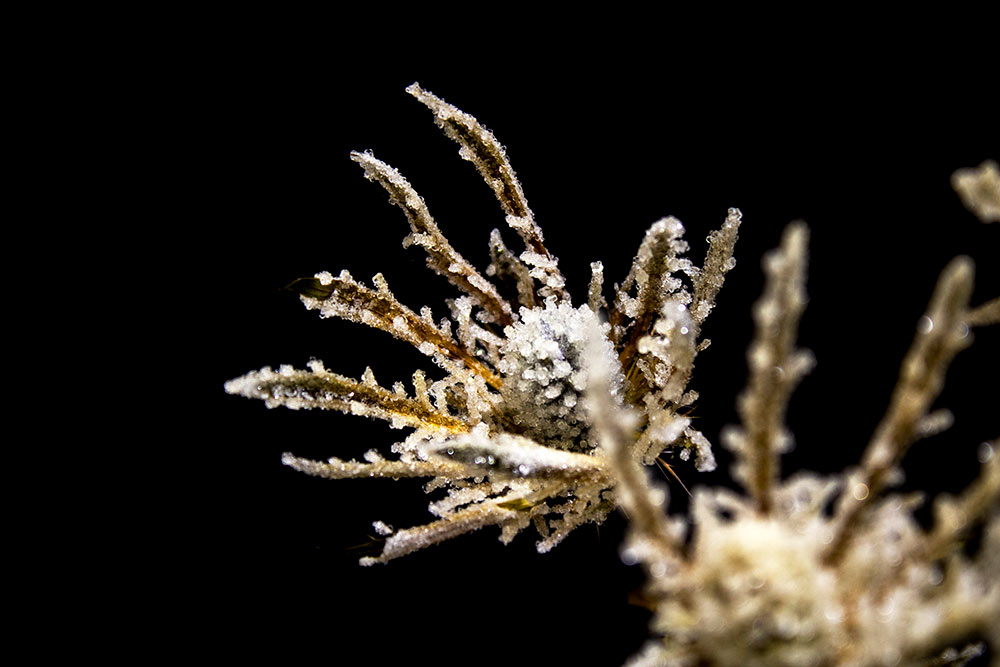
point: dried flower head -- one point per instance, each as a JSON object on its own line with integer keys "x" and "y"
{"x": 506, "y": 431}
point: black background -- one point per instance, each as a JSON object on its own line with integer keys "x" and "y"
{"x": 260, "y": 129}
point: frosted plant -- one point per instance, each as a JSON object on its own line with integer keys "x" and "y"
{"x": 547, "y": 413}
{"x": 771, "y": 577}
{"x": 505, "y": 432}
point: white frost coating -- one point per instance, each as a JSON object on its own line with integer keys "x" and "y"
{"x": 382, "y": 528}
{"x": 507, "y": 267}
{"x": 507, "y": 455}
{"x": 441, "y": 256}
{"x": 380, "y": 283}
{"x": 718, "y": 262}
{"x": 704, "y": 459}
{"x": 544, "y": 375}
{"x": 659, "y": 256}
{"x": 673, "y": 345}
{"x": 595, "y": 293}
{"x": 783, "y": 598}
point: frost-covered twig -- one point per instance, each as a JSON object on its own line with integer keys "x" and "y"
{"x": 719, "y": 261}
{"x": 378, "y": 467}
{"x": 479, "y": 146}
{"x": 941, "y": 334}
{"x": 318, "y": 388}
{"x": 344, "y": 297}
{"x": 441, "y": 257}
{"x": 509, "y": 269}
{"x": 644, "y": 504}
{"x": 655, "y": 278}
{"x": 955, "y": 517}
{"x": 595, "y": 292}
{"x": 775, "y": 368}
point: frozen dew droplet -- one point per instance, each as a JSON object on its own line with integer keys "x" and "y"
{"x": 887, "y": 608}
{"x": 986, "y": 452}
{"x": 860, "y": 491}
{"x": 629, "y": 556}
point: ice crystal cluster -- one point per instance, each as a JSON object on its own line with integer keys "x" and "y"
{"x": 547, "y": 413}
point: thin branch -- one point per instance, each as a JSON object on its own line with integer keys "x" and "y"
{"x": 775, "y": 368}
{"x": 320, "y": 389}
{"x": 719, "y": 261}
{"x": 344, "y": 297}
{"x": 488, "y": 513}
{"x": 987, "y": 313}
{"x": 511, "y": 270}
{"x": 653, "y": 276}
{"x": 941, "y": 334}
{"x": 506, "y": 455}
{"x": 956, "y": 517}
{"x": 441, "y": 256}
{"x": 595, "y": 291}
{"x": 338, "y": 469}
{"x": 479, "y": 146}
{"x": 613, "y": 426}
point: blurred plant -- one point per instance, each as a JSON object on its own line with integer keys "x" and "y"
{"x": 813, "y": 570}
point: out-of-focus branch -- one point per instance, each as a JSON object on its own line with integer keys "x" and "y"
{"x": 941, "y": 333}
{"x": 775, "y": 368}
